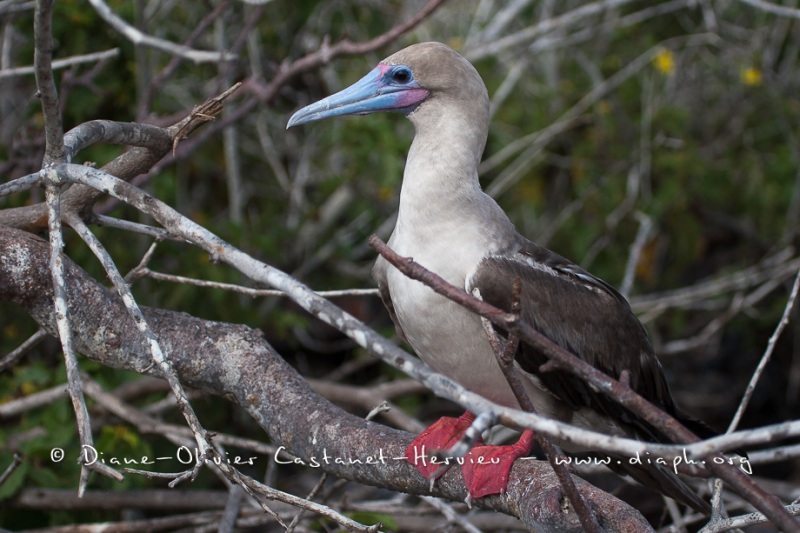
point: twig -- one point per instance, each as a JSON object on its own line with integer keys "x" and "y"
{"x": 146, "y": 272}
{"x": 177, "y": 60}
{"x": 20, "y": 184}
{"x": 781, "y": 453}
{"x": 154, "y": 346}
{"x": 233, "y": 505}
{"x": 15, "y": 462}
{"x": 261, "y": 492}
{"x": 769, "y": 7}
{"x": 139, "y": 38}
{"x": 74, "y": 386}
{"x": 42, "y": 59}
{"x": 775, "y": 267}
{"x": 313, "y": 60}
{"x": 29, "y": 343}
{"x": 748, "y": 393}
{"x": 738, "y": 303}
{"x": 451, "y": 516}
{"x": 545, "y": 26}
{"x": 505, "y": 359}
{"x": 133, "y": 227}
{"x": 642, "y": 234}
{"x": 12, "y": 6}
{"x": 726, "y": 524}
{"x": 62, "y": 63}
{"x": 32, "y": 401}
{"x": 529, "y": 146}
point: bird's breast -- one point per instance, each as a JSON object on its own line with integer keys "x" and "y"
{"x": 445, "y": 335}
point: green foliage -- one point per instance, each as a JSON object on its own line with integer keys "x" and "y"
{"x": 387, "y": 521}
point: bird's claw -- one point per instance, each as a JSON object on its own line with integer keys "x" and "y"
{"x": 486, "y": 469}
{"x": 439, "y": 436}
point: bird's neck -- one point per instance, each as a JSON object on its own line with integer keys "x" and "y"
{"x": 440, "y": 181}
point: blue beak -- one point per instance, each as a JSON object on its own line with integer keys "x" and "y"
{"x": 374, "y": 92}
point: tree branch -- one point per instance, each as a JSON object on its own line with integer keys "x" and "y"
{"x": 42, "y": 59}
{"x": 137, "y": 37}
{"x": 236, "y": 362}
{"x": 150, "y": 143}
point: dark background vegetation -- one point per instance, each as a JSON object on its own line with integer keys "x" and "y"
{"x": 684, "y": 121}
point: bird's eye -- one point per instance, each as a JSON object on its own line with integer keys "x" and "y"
{"x": 401, "y": 75}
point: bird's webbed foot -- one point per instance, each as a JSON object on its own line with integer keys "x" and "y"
{"x": 486, "y": 468}
{"x": 442, "y": 435}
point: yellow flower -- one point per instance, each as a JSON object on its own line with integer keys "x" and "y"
{"x": 664, "y": 61}
{"x": 751, "y": 76}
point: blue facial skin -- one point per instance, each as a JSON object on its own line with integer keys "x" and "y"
{"x": 384, "y": 88}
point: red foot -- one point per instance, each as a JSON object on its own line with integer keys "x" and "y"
{"x": 486, "y": 468}
{"x": 441, "y": 435}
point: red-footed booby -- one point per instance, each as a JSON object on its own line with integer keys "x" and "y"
{"x": 451, "y": 227}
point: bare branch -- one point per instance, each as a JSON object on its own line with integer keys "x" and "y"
{"x": 214, "y": 356}
{"x": 146, "y": 272}
{"x": 62, "y": 63}
{"x": 30, "y": 343}
{"x": 775, "y": 267}
{"x": 20, "y": 184}
{"x": 42, "y": 59}
{"x": 388, "y": 352}
{"x": 32, "y": 401}
{"x": 727, "y": 524}
{"x": 110, "y": 132}
{"x": 504, "y": 353}
{"x": 762, "y": 364}
{"x": 158, "y": 357}
{"x": 769, "y": 7}
{"x": 139, "y": 38}
{"x": 127, "y": 166}
{"x": 545, "y": 26}
{"x": 642, "y": 234}
{"x": 313, "y": 60}
{"x": 15, "y": 462}
{"x": 74, "y": 386}
{"x": 15, "y": 6}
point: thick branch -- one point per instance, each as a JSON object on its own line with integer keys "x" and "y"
{"x": 236, "y": 362}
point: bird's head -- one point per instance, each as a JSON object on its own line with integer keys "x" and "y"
{"x": 404, "y": 82}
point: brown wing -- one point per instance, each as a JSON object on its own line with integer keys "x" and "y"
{"x": 586, "y": 316}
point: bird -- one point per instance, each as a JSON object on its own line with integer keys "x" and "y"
{"x": 449, "y": 225}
